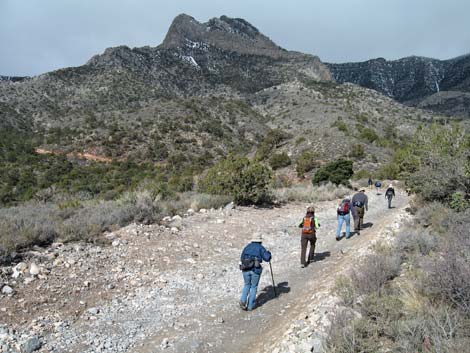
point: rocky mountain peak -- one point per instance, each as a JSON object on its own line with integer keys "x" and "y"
{"x": 233, "y": 34}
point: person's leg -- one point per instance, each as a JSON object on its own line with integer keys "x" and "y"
{"x": 347, "y": 220}
{"x": 361, "y": 219}
{"x": 356, "y": 218}
{"x": 340, "y": 225}
{"x": 246, "y": 287}
{"x": 303, "y": 249}
{"x": 389, "y": 202}
{"x": 311, "y": 254}
{"x": 253, "y": 289}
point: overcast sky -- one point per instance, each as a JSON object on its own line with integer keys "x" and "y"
{"x": 37, "y": 36}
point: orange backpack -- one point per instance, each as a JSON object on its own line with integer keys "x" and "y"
{"x": 309, "y": 225}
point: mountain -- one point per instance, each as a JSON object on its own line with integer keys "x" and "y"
{"x": 414, "y": 80}
{"x": 209, "y": 89}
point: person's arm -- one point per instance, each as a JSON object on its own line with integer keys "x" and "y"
{"x": 317, "y": 225}
{"x": 301, "y": 224}
{"x": 265, "y": 255}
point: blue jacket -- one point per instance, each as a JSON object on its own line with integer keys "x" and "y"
{"x": 256, "y": 251}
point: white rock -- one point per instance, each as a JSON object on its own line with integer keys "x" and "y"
{"x": 7, "y": 290}
{"x": 220, "y": 221}
{"x": 203, "y": 210}
{"x": 174, "y": 230}
{"x": 190, "y": 211}
{"x": 34, "y": 269}
{"x": 116, "y": 243}
{"x": 177, "y": 218}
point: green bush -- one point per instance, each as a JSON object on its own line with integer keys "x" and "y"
{"x": 305, "y": 162}
{"x": 248, "y": 182}
{"x": 337, "y": 172}
{"x": 272, "y": 139}
{"x": 279, "y": 160}
{"x": 368, "y": 135}
{"x": 388, "y": 171}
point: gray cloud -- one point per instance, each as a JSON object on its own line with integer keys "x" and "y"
{"x": 39, "y": 36}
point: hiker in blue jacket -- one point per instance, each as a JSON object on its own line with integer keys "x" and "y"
{"x": 250, "y": 263}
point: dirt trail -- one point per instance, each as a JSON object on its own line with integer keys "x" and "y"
{"x": 158, "y": 290}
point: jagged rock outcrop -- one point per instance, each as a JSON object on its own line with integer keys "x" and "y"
{"x": 411, "y": 80}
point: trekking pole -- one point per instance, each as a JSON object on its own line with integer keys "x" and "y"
{"x": 272, "y": 277}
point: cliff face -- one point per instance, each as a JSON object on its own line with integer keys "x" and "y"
{"x": 411, "y": 80}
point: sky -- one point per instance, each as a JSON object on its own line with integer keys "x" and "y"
{"x": 38, "y": 36}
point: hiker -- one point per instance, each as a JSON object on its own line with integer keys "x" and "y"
{"x": 369, "y": 182}
{"x": 378, "y": 184}
{"x": 309, "y": 227}
{"x": 360, "y": 205}
{"x": 389, "y": 195}
{"x": 343, "y": 211}
{"x": 250, "y": 264}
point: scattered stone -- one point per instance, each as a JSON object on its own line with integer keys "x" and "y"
{"x": 177, "y": 218}
{"x": 32, "y": 344}
{"x": 230, "y": 206}
{"x": 7, "y": 290}
{"x": 203, "y": 210}
{"x": 116, "y": 243}
{"x": 174, "y": 230}
{"x": 93, "y": 311}
{"x": 33, "y": 270}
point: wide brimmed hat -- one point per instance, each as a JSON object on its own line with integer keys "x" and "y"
{"x": 257, "y": 238}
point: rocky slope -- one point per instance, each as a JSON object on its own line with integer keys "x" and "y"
{"x": 411, "y": 80}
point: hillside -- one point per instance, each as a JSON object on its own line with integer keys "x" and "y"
{"x": 438, "y": 85}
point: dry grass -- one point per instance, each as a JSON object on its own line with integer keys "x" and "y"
{"x": 309, "y": 193}
{"x": 74, "y": 220}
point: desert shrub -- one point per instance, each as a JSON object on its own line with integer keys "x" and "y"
{"x": 248, "y": 182}
{"x": 24, "y": 226}
{"x": 374, "y": 272}
{"x": 305, "y": 162}
{"x": 388, "y": 171}
{"x": 270, "y": 141}
{"x": 337, "y": 172}
{"x": 368, "y": 135}
{"x": 458, "y": 202}
{"x": 362, "y": 174}
{"x": 433, "y": 163}
{"x": 279, "y": 160}
{"x": 357, "y": 151}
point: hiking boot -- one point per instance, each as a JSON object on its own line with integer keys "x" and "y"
{"x": 243, "y": 305}
{"x": 338, "y": 238}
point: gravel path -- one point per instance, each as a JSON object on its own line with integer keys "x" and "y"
{"x": 162, "y": 290}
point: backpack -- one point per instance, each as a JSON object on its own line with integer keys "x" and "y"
{"x": 249, "y": 263}
{"x": 378, "y": 184}
{"x": 358, "y": 203}
{"x": 389, "y": 192}
{"x": 308, "y": 225}
{"x": 343, "y": 209}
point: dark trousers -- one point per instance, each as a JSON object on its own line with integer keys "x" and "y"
{"x": 389, "y": 198}
{"x": 304, "y": 240}
{"x": 358, "y": 218}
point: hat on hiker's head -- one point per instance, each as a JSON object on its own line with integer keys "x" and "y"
{"x": 346, "y": 198}
{"x": 390, "y": 186}
{"x": 362, "y": 190}
{"x": 310, "y": 209}
{"x": 257, "y": 238}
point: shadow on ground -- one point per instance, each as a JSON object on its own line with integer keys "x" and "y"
{"x": 267, "y": 293}
{"x": 367, "y": 225}
{"x": 319, "y": 256}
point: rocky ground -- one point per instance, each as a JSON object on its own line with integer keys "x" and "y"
{"x": 175, "y": 287}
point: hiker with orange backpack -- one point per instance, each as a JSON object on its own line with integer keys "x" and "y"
{"x": 343, "y": 211}
{"x": 309, "y": 227}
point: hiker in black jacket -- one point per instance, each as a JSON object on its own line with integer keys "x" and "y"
{"x": 389, "y": 195}
{"x": 360, "y": 205}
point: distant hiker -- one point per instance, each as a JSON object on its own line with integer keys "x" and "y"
{"x": 378, "y": 184}
{"x": 309, "y": 227}
{"x": 250, "y": 264}
{"x": 360, "y": 205}
{"x": 389, "y": 195}
{"x": 369, "y": 182}
{"x": 343, "y": 211}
